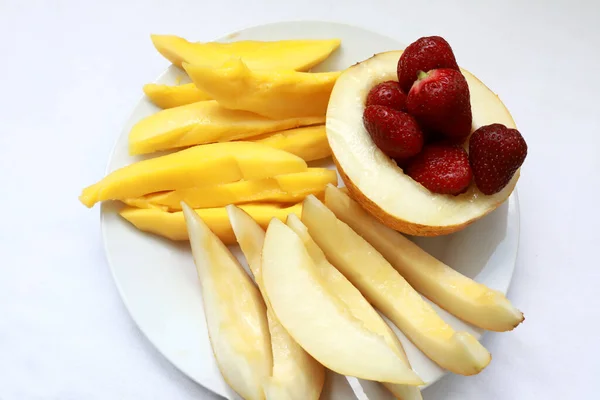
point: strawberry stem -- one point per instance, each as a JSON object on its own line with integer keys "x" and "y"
{"x": 421, "y": 75}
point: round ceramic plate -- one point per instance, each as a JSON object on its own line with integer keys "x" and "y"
{"x": 157, "y": 279}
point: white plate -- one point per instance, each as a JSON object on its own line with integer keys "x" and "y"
{"x": 157, "y": 279}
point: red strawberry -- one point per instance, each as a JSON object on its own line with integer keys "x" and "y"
{"x": 425, "y": 54}
{"x": 396, "y": 133}
{"x": 440, "y": 101}
{"x": 496, "y": 153}
{"x": 387, "y": 94}
{"x": 442, "y": 169}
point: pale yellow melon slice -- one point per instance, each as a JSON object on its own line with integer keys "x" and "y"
{"x": 376, "y": 182}
{"x": 354, "y": 300}
{"x": 468, "y": 300}
{"x": 295, "y": 374}
{"x": 236, "y": 319}
{"x": 388, "y": 291}
{"x": 317, "y": 318}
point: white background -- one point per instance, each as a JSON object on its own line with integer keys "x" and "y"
{"x": 72, "y": 70}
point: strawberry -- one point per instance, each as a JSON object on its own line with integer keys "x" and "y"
{"x": 496, "y": 153}
{"x": 440, "y": 102}
{"x": 396, "y": 133}
{"x": 441, "y": 168}
{"x": 425, "y": 54}
{"x": 387, "y": 94}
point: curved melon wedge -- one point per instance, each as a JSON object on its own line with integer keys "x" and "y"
{"x": 356, "y": 303}
{"x": 388, "y": 291}
{"x": 236, "y": 319}
{"x": 317, "y": 319}
{"x": 374, "y": 179}
{"x": 459, "y": 295}
{"x": 299, "y": 55}
{"x": 295, "y": 375}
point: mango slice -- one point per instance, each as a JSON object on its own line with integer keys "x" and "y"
{"x": 204, "y": 122}
{"x": 299, "y": 55}
{"x": 165, "y": 96}
{"x": 286, "y": 188}
{"x": 274, "y": 94}
{"x": 194, "y": 167}
{"x": 172, "y": 225}
{"x": 309, "y": 143}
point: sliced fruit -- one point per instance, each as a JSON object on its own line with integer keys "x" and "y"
{"x": 165, "y": 96}
{"x": 194, "y": 167}
{"x": 315, "y": 316}
{"x": 172, "y": 225}
{"x": 274, "y": 94}
{"x": 295, "y": 374}
{"x": 354, "y": 301}
{"x": 309, "y": 143}
{"x": 375, "y": 180}
{"x": 299, "y": 55}
{"x": 286, "y": 188}
{"x": 236, "y": 319}
{"x": 203, "y": 122}
{"x": 459, "y": 295}
{"x": 387, "y": 290}
{"x": 145, "y": 202}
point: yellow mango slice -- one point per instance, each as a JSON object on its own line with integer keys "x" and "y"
{"x": 165, "y": 96}
{"x": 274, "y": 94}
{"x": 299, "y": 55}
{"x": 144, "y": 202}
{"x": 309, "y": 142}
{"x": 203, "y": 122}
{"x": 194, "y": 167}
{"x": 172, "y": 225}
{"x": 286, "y": 188}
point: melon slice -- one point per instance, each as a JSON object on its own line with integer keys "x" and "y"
{"x": 236, "y": 319}
{"x": 318, "y": 319}
{"x": 458, "y": 294}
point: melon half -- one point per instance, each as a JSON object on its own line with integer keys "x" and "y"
{"x": 377, "y": 183}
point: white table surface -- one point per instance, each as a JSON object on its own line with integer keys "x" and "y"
{"x": 71, "y": 72}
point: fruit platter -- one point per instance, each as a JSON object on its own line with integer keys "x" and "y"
{"x": 293, "y": 215}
